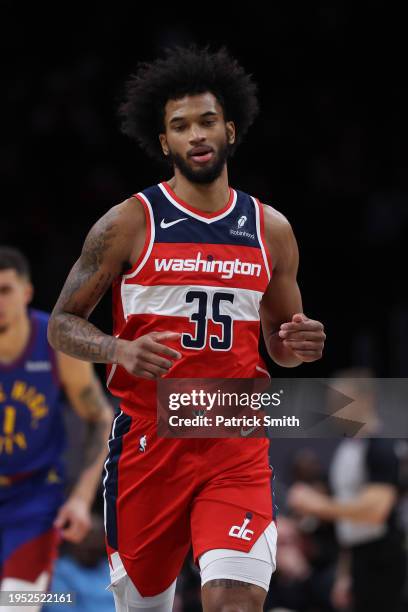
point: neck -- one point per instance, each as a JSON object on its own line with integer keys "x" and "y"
{"x": 208, "y": 197}
{"x": 14, "y": 340}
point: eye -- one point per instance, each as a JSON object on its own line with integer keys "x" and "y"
{"x": 178, "y": 128}
{"x": 209, "y": 122}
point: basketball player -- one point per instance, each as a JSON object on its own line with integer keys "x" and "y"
{"x": 192, "y": 262}
{"x": 33, "y": 513}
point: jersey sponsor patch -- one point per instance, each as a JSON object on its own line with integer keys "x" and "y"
{"x": 38, "y": 366}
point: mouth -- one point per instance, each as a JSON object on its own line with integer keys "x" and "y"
{"x": 201, "y": 155}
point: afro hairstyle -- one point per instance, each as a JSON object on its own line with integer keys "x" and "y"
{"x": 185, "y": 71}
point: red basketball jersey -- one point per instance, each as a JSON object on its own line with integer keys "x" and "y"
{"x": 202, "y": 275}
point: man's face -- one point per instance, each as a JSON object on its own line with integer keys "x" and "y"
{"x": 197, "y": 140}
{"x": 15, "y": 293}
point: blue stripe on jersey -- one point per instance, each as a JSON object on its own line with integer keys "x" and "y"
{"x": 120, "y": 427}
{"x": 32, "y": 435}
{"x": 237, "y": 228}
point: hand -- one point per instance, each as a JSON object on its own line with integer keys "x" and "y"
{"x": 304, "y": 337}
{"x": 73, "y": 519}
{"x": 306, "y": 500}
{"x": 143, "y": 357}
{"x": 292, "y": 563}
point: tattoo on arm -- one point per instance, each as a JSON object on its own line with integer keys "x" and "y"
{"x": 93, "y": 401}
{"x": 95, "y": 442}
{"x": 70, "y": 331}
{"x": 93, "y": 404}
{"x": 83, "y": 340}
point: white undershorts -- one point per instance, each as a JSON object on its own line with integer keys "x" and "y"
{"x": 255, "y": 567}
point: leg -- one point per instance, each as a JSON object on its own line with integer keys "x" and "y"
{"x": 233, "y": 533}
{"x": 147, "y": 500}
{"x": 129, "y": 599}
{"x": 235, "y": 581}
{"x": 29, "y": 552}
{"x": 226, "y": 595}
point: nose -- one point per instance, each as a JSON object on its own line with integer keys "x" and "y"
{"x": 196, "y": 134}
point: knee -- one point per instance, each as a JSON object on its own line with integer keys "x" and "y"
{"x": 128, "y": 598}
{"x": 240, "y": 605}
{"x": 237, "y": 599}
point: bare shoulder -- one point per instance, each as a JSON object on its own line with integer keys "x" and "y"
{"x": 127, "y": 216}
{"x": 131, "y": 210}
{"x": 279, "y": 237}
{"x": 117, "y": 232}
{"x": 274, "y": 220}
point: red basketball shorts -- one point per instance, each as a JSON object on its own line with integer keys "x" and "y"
{"x": 162, "y": 495}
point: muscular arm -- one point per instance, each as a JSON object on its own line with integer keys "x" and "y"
{"x": 372, "y": 505}
{"x": 113, "y": 243}
{"x": 86, "y": 396}
{"x": 282, "y": 298}
{"x": 110, "y": 246}
{"x": 290, "y": 336}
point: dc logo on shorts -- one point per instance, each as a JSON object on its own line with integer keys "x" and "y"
{"x": 142, "y": 444}
{"x": 240, "y": 531}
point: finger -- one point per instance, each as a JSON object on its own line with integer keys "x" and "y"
{"x": 303, "y": 345}
{"x": 308, "y": 325}
{"x": 165, "y": 335}
{"x": 317, "y": 336}
{"x": 307, "y": 351}
{"x": 78, "y": 527}
{"x": 295, "y": 327}
{"x": 68, "y": 534}
{"x": 308, "y": 356}
{"x": 61, "y": 519}
{"x": 146, "y": 374}
{"x": 299, "y": 317}
{"x": 153, "y": 369}
{"x": 164, "y": 350}
{"x": 157, "y": 360}
{"x": 73, "y": 534}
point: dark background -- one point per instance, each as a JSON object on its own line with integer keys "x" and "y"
{"x": 329, "y": 148}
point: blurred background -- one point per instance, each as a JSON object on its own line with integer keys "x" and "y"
{"x": 329, "y": 150}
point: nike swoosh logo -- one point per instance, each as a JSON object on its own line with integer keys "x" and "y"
{"x": 164, "y": 225}
{"x": 246, "y": 432}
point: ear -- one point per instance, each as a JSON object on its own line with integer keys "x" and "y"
{"x": 230, "y": 127}
{"x": 28, "y": 292}
{"x": 163, "y": 142}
